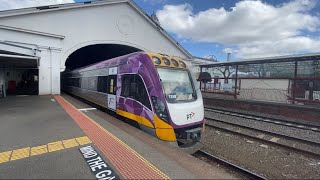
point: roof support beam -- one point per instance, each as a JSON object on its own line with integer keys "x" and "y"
{"x": 16, "y": 49}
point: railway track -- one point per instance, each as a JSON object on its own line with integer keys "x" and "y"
{"x": 267, "y": 120}
{"x": 311, "y": 148}
{"x": 247, "y": 173}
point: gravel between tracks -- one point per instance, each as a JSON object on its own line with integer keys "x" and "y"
{"x": 268, "y": 161}
{"x": 285, "y": 130}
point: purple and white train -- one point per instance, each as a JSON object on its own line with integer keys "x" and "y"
{"x": 156, "y": 91}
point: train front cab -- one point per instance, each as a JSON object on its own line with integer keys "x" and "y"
{"x": 181, "y": 114}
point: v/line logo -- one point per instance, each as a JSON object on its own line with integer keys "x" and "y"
{"x": 190, "y": 115}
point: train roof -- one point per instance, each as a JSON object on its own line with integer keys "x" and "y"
{"x": 164, "y": 61}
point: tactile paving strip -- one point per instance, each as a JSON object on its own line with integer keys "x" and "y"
{"x": 26, "y": 152}
{"x": 129, "y": 163}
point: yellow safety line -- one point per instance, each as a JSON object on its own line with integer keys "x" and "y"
{"x": 124, "y": 144}
{"x": 42, "y": 149}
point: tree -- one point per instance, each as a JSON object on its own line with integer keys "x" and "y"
{"x": 226, "y": 72}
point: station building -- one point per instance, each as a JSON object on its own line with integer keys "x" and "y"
{"x": 36, "y": 44}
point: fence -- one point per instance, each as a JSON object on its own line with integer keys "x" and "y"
{"x": 292, "y": 82}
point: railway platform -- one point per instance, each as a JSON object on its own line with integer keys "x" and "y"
{"x": 61, "y": 137}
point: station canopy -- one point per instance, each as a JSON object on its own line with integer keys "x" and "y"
{"x": 308, "y": 65}
{"x": 9, "y": 59}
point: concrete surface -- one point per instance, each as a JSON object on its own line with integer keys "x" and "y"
{"x": 170, "y": 160}
{"x": 28, "y": 121}
{"x": 36, "y": 120}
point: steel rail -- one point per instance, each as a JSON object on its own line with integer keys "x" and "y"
{"x": 303, "y": 151}
{"x": 306, "y": 141}
{"x": 267, "y": 119}
{"x": 241, "y": 170}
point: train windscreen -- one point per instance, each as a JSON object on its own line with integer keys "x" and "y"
{"x": 177, "y": 85}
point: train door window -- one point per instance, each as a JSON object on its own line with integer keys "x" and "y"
{"x": 112, "y": 83}
{"x": 103, "y": 84}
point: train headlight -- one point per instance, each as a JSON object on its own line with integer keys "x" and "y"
{"x": 160, "y": 108}
{"x": 183, "y": 64}
{"x": 166, "y": 61}
{"x": 156, "y": 60}
{"x": 175, "y": 63}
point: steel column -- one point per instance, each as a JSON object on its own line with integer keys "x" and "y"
{"x": 294, "y": 81}
{"x": 236, "y": 83}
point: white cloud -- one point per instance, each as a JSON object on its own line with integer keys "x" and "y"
{"x": 16, "y": 4}
{"x": 248, "y": 27}
{"x": 293, "y": 45}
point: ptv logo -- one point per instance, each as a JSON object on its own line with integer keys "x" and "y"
{"x": 189, "y": 116}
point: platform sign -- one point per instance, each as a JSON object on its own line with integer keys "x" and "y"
{"x": 98, "y": 167}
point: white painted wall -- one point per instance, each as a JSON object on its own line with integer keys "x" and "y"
{"x": 282, "y": 84}
{"x": 118, "y": 23}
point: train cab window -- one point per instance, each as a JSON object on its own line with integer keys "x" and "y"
{"x": 103, "y": 84}
{"x": 133, "y": 87}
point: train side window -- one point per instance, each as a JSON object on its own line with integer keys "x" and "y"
{"x": 76, "y": 82}
{"x": 79, "y": 82}
{"x": 84, "y": 83}
{"x": 125, "y": 90}
{"x": 133, "y": 86}
{"x": 70, "y": 82}
{"x": 92, "y": 83}
{"x": 103, "y": 84}
{"x": 141, "y": 92}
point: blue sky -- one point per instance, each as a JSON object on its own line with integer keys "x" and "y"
{"x": 280, "y": 27}
{"x": 296, "y": 35}
{"x": 246, "y": 29}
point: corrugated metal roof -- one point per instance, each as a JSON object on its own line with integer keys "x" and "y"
{"x": 301, "y": 57}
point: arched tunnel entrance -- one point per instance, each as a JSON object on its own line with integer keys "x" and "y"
{"x": 95, "y": 53}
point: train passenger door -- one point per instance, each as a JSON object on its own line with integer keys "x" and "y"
{"x": 112, "y": 99}
{"x": 112, "y": 87}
